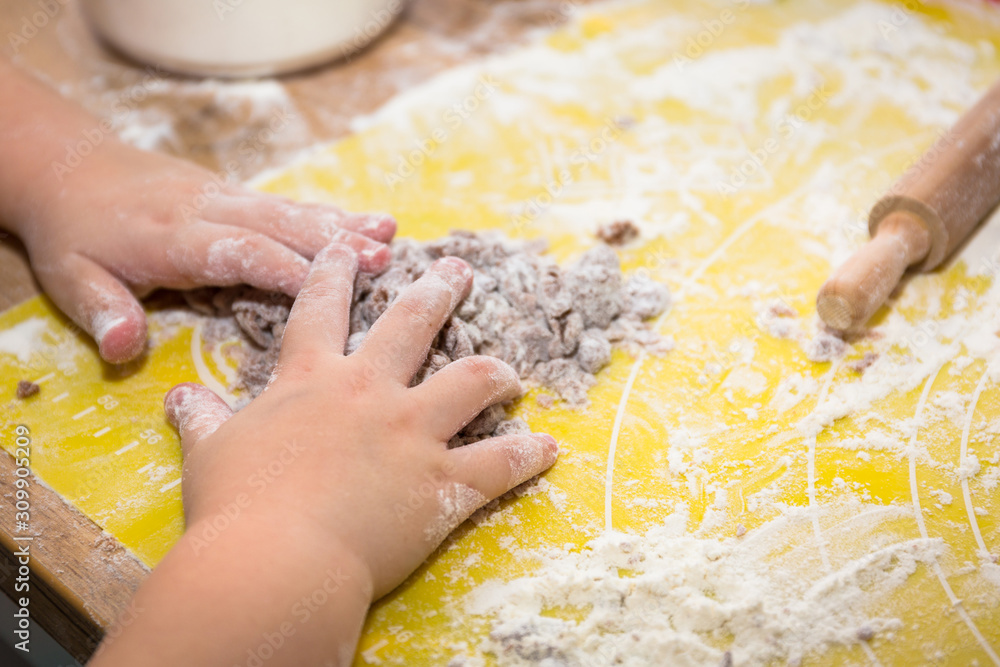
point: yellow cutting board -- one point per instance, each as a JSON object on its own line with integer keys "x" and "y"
{"x": 747, "y": 140}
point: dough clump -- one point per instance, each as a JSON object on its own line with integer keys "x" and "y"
{"x": 556, "y": 327}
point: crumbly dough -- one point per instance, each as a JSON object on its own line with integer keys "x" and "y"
{"x": 554, "y": 326}
{"x": 26, "y": 389}
{"x": 618, "y": 232}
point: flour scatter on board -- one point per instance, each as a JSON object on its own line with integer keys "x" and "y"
{"x": 556, "y": 327}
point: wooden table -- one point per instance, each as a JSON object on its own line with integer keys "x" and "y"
{"x": 82, "y": 578}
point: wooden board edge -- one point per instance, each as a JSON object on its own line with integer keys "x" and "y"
{"x": 80, "y": 578}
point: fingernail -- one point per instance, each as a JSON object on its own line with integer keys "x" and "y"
{"x": 375, "y": 259}
{"x": 453, "y": 266}
{"x": 174, "y": 402}
{"x": 549, "y": 441}
{"x": 334, "y": 251}
{"x": 104, "y": 323}
{"x": 456, "y": 274}
{"x": 379, "y": 226}
{"x": 119, "y": 339}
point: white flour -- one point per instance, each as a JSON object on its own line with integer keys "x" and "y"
{"x": 455, "y": 503}
{"x": 695, "y": 598}
{"x": 24, "y": 339}
{"x": 670, "y": 598}
{"x": 802, "y": 579}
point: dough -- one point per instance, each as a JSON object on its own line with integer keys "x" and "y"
{"x": 554, "y": 326}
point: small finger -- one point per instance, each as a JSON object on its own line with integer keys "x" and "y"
{"x": 220, "y": 255}
{"x": 496, "y": 465}
{"x": 464, "y": 388}
{"x": 100, "y": 304}
{"x": 399, "y": 341}
{"x": 196, "y": 412}
{"x": 308, "y": 228}
{"x": 319, "y": 322}
{"x": 373, "y": 256}
{"x": 307, "y": 237}
{"x": 376, "y": 226}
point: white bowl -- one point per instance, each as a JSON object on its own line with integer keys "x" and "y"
{"x": 239, "y": 38}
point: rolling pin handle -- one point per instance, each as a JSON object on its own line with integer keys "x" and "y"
{"x": 928, "y": 213}
{"x": 852, "y": 295}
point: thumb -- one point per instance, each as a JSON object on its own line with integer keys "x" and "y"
{"x": 100, "y": 304}
{"x": 196, "y": 412}
{"x": 496, "y": 465}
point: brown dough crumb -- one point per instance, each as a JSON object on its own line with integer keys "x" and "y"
{"x": 741, "y": 530}
{"x": 865, "y": 633}
{"x": 554, "y": 326}
{"x": 545, "y": 401}
{"x": 618, "y": 233}
{"x": 862, "y": 364}
{"x": 26, "y": 389}
{"x": 778, "y": 319}
{"x": 825, "y": 346}
{"x": 778, "y": 308}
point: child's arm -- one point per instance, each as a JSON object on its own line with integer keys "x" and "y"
{"x": 329, "y": 489}
{"x": 104, "y": 222}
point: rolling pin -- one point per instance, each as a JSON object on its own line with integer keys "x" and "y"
{"x": 925, "y": 216}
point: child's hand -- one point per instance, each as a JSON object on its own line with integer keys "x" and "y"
{"x": 121, "y": 222}
{"x": 329, "y": 489}
{"x": 369, "y": 463}
{"x": 126, "y": 222}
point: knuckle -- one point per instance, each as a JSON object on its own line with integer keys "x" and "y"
{"x": 254, "y": 245}
{"x": 338, "y": 252}
{"x": 326, "y": 289}
{"x": 424, "y": 310}
{"x": 366, "y": 385}
{"x": 360, "y": 384}
{"x": 342, "y": 237}
{"x": 303, "y": 372}
{"x": 497, "y": 372}
{"x": 482, "y": 366}
{"x": 411, "y": 416}
{"x": 182, "y": 253}
{"x": 444, "y": 467}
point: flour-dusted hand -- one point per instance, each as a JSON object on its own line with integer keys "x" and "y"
{"x": 119, "y": 222}
{"x": 330, "y": 488}
{"x": 130, "y": 221}
{"x": 362, "y": 430}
